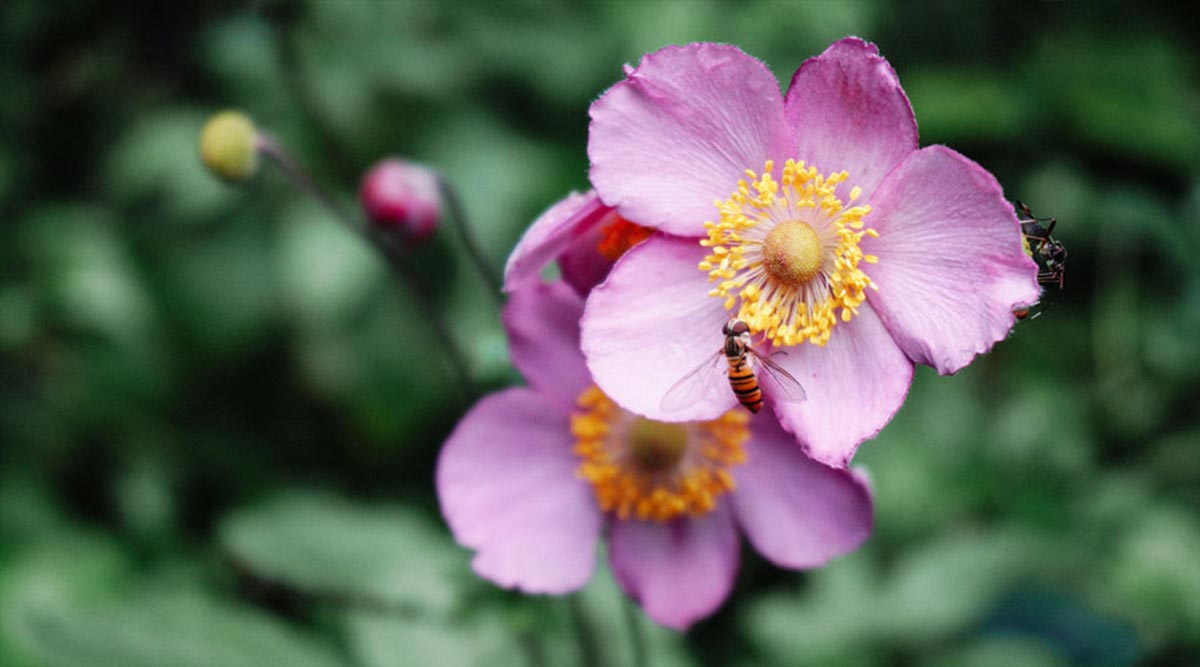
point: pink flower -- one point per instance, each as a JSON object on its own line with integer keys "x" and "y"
{"x": 582, "y": 234}
{"x": 813, "y": 217}
{"x": 532, "y": 477}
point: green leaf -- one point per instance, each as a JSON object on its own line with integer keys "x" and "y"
{"x": 381, "y": 640}
{"x": 176, "y": 628}
{"x": 325, "y": 271}
{"x": 59, "y": 571}
{"x": 831, "y": 622}
{"x": 1002, "y": 652}
{"x": 239, "y": 53}
{"x": 328, "y": 547}
{"x": 943, "y": 586}
{"x": 223, "y": 294}
{"x": 1151, "y": 576}
{"x": 82, "y": 265}
{"x": 157, "y": 159}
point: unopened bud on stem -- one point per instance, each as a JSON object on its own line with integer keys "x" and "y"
{"x": 402, "y": 199}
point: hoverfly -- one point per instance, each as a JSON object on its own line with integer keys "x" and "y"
{"x": 743, "y": 375}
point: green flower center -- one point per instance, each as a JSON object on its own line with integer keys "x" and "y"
{"x": 657, "y": 446}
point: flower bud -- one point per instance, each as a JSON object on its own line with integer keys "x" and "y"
{"x": 228, "y": 146}
{"x": 402, "y": 198}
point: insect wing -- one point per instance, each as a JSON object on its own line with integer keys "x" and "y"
{"x": 703, "y": 382}
{"x": 782, "y": 386}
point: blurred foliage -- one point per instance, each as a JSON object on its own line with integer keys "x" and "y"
{"x": 219, "y": 415}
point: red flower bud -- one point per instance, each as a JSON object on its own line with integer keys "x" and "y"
{"x": 402, "y": 198}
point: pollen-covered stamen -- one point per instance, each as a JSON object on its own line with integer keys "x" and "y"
{"x": 619, "y": 236}
{"x": 651, "y": 470}
{"x": 787, "y": 254}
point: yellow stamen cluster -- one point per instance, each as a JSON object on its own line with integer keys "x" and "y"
{"x": 785, "y": 312}
{"x": 627, "y": 487}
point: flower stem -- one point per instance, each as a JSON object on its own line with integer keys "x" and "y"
{"x": 427, "y": 303}
{"x": 637, "y": 635}
{"x": 585, "y": 632}
{"x": 461, "y": 223}
{"x": 275, "y": 152}
{"x": 531, "y": 645}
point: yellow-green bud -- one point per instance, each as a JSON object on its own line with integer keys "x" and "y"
{"x": 228, "y": 146}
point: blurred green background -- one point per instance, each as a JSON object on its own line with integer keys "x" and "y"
{"x": 219, "y": 414}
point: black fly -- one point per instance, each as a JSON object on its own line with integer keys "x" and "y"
{"x": 1050, "y": 254}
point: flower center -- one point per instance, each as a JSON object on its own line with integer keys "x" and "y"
{"x": 792, "y": 253}
{"x": 787, "y": 254}
{"x": 655, "y": 471}
{"x": 619, "y": 236}
{"x": 657, "y": 446}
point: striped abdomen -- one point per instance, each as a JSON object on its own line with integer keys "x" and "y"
{"x": 744, "y": 383}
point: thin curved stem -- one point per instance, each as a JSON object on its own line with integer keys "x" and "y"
{"x": 458, "y": 216}
{"x": 275, "y": 152}
{"x": 392, "y": 252}
{"x": 433, "y": 314}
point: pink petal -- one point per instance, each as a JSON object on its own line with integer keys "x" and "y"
{"x": 848, "y": 111}
{"x": 679, "y": 572}
{"x": 580, "y": 262}
{"x": 681, "y": 130}
{"x": 542, "y": 321}
{"x": 855, "y": 384}
{"x": 951, "y": 265}
{"x": 651, "y": 323}
{"x": 550, "y": 235}
{"x": 795, "y": 511}
{"x": 507, "y": 485}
